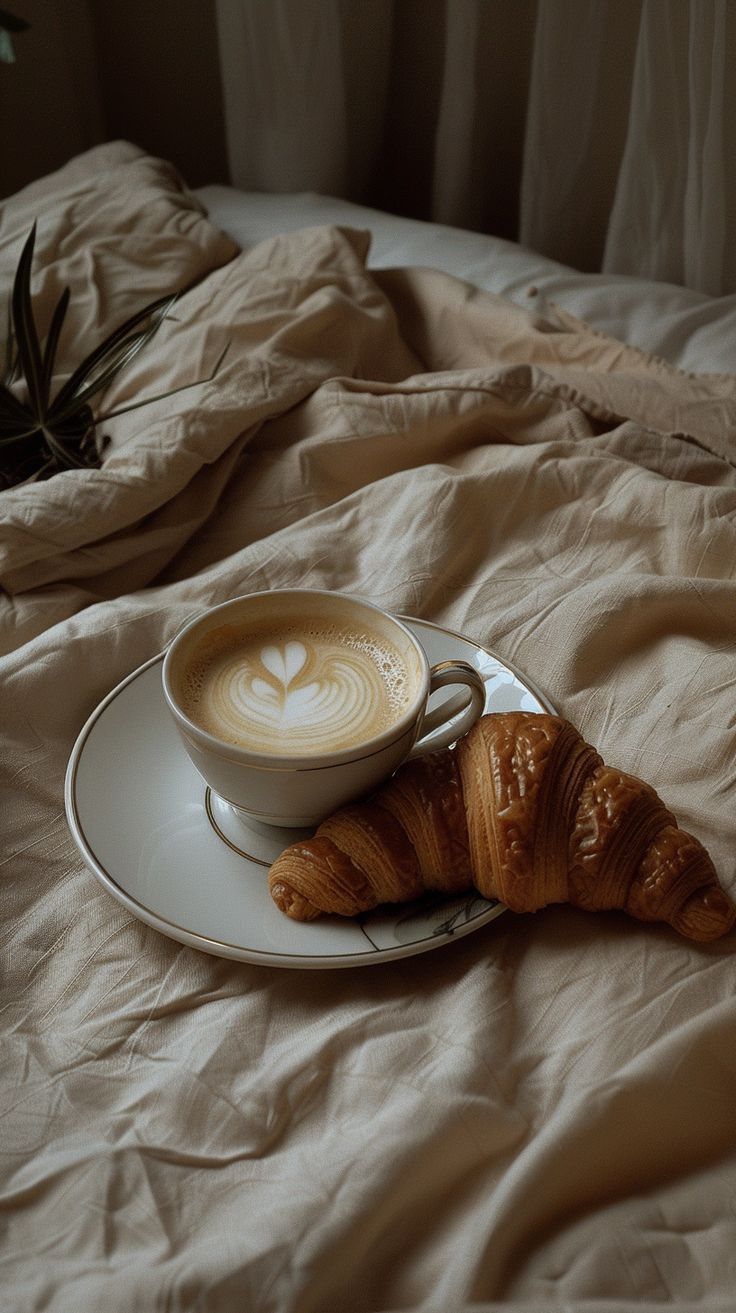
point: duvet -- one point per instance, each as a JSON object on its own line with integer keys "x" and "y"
{"x": 539, "y": 1115}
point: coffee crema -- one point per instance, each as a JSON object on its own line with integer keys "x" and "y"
{"x": 295, "y": 688}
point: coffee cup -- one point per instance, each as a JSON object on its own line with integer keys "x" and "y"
{"x": 293, "y": 702}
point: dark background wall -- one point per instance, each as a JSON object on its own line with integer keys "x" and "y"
{"x": 148, "y": 71}
{"x": 92, "y": 70}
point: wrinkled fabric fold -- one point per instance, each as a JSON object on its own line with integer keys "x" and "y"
{"x": 537, "y": 1116}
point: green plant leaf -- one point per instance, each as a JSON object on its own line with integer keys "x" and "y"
{"x": 7, "y": 51}
{"x": 7, "y": 440}
{"x": 98, "y": 357}
{"x": 161, "y": 396}
{"x": 9, "y": 23}
{"x": 52, "y": 342}
{"x": 10, "y": 407}
{"x": 63, "y": 451}
{"x": 39, "y": 435}
{"x": 120, "y": 358}
{"x": 12, "y": 23}
{"x": 11, "y": 359}
{"x": 26, "y": 336}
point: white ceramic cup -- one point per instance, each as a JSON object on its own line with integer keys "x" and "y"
{"x": 279, "y": 789}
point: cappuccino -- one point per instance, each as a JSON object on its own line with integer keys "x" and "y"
{"x": 292, "y": 702}
{"x": 298, "y": 686}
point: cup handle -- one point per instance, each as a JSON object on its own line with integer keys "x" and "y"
{"x": 472, "y": 703}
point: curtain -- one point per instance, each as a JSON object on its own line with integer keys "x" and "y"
{"x": 599, "y": 132}
{"x": 676, "y": 194}
{"x": 630, "y": 159}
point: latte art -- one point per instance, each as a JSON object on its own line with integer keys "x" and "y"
{"x": 295, "y": 689}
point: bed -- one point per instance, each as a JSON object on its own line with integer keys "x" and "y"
{"x": 497, "y": 1111}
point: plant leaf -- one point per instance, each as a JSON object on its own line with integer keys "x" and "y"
{"x": 52, "y": 342}
{"x": 26, "y": 336}
{"x": 10, "y": 355}
{"x": 9, "y": 23}
{"x": 126, "y": 352}
{"x": 12, "y": 23}
{"x": 97, "y": 358}
{"x": 7, "y": 440}
{"x": 7, "y": 50}
{"x": 11, "y": 407}
{"x": 40, "y": 437}
{"x": 161, "y": 396}
{"x": 73, "y": 440}
{"x": 64, "y": 453}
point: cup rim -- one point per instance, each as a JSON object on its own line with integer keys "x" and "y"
{"x": 308, "y": 761}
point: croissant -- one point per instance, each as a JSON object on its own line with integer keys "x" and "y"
{"x": 521, "y": 809}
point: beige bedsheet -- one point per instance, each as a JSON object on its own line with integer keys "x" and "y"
{"x": 539, "y": 1116}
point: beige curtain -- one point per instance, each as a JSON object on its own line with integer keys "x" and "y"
{"x": 599, "y": 132}
{"x": 410, "y": 105}
{"x": 630, "y": 158}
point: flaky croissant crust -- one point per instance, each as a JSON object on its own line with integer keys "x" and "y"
{"x": 523, "y": 810}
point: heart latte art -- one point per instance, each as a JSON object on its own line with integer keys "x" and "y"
{"x": 295, "y": 689}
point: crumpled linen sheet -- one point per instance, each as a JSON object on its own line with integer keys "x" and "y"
{"x": 539, "y": 1116}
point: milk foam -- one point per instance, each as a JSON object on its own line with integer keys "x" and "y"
{"x": 295, "y": 688}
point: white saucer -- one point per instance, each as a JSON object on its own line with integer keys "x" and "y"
{"x": 161, "y": 844}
